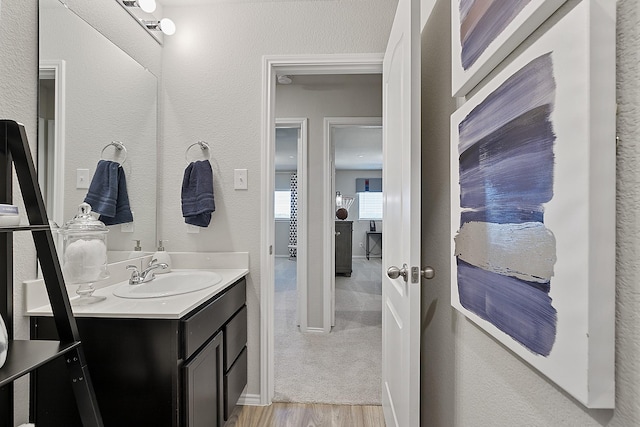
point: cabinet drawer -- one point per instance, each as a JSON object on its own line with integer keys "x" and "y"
{"x": 199, "y": 326}
{"x": 235, "y": 337}
{"x": 234, "y": 382}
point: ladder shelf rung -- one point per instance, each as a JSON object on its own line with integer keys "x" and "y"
{"x": 25, "y": 356}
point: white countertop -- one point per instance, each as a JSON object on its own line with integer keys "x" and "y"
{"x": 171, "y": 307}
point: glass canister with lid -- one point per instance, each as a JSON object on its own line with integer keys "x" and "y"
{"x": 84, "y": 254}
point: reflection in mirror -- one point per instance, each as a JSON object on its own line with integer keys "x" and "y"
{"x": 92, "y": 93}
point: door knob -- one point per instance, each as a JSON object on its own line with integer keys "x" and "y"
{"x": 428, "y": 272}
{"x": 394, "y": 272}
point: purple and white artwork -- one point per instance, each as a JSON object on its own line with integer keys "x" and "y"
{"x": 484, "y": 32}
{"x": 533, "y": 203}
{"x": 505, "y": 254}
{"x": 481, "y": 21}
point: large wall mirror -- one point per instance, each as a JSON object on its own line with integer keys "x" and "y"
{"x": 92, "y": 93}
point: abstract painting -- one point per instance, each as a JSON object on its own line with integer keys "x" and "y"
{"x": 533, "y": 204}
{"x": 484, "y": 32}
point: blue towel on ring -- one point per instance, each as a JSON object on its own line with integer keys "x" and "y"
{"x": 108, "y": 194}
{"x": 197, "y": 193}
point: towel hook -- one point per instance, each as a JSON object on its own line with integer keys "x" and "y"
{"x": 119, "y": 147}
{"x": 203, "y": 146}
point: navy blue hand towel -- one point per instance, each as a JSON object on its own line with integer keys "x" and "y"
{"x": 108, "y": 194}
{"x": 197, "y": 194}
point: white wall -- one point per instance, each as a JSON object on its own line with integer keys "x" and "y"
{"x": 468, "y": 378}
{"x": 346, "y": 184}
{"x": 211, "y": 80}
{"x": 18, "y": 101}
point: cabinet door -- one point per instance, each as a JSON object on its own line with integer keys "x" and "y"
{"x": 343, "y": 250}
{"x": 203, "y": 394}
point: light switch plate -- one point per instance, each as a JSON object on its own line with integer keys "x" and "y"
{"x": 82, "y": 178}
{"x": 240, "y": 179}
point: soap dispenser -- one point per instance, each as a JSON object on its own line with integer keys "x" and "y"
{"x": 161, "y": 256}
{"x": 137, "y": 250}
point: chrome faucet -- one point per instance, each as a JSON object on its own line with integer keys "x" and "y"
{"x": 145, "y": 275}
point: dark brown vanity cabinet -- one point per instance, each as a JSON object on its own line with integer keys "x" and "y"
{"x": 154, "y": 372}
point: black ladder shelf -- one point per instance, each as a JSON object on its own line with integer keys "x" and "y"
{"x": 24, "y": 356}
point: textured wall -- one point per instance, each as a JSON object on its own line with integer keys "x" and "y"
{"x": 468, "y": 378}
{"x": 18, "y": 100}
{"x": 211, "y": 78}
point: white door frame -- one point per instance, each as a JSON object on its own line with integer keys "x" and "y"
{"x": 329, "y": 265}
{"x": 55, "y": 69}
{"x": 301, "y": 235}
{"x": 272, "y": 65}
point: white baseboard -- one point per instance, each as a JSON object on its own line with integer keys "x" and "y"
{"x": 247, "y": 399}
{"x": 316, "y": 331}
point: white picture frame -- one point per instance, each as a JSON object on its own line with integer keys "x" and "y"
{"x": 495, "y": 184}
{"x": 480, "y": 43}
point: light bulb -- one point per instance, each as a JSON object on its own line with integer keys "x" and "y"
{"x": 147, "y": 5}
{"x": 167, "y": 26}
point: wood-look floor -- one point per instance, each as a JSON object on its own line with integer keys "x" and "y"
{"x": 306, "y": 415}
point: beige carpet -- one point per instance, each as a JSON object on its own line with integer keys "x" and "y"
{"x": 344, "y": 366}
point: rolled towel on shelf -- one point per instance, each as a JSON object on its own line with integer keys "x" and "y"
{"x": 197, "y": 193}
{"x": 108, "y": 194}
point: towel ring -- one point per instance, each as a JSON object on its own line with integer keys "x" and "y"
{"x": 119, "y": 147}
{"x": 203, "y": 146}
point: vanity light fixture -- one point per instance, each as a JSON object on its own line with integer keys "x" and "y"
{"x": 165, "y": 25}
{"x": 142, "y": 12}
{"x": 148, "y": 6}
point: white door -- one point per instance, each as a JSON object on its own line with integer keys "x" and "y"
{"x": 401, "y": 229}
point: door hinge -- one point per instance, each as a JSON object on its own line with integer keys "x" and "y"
{"x": 270, "y": 249}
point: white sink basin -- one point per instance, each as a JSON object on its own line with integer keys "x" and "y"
{"x": 173, "y": 283}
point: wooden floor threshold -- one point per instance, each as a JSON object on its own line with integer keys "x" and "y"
{"x": 306, "y": 415}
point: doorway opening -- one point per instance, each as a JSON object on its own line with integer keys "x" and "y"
{"x": 290, "y": 214}
{"x": 354, "y": 147}
{"x": 321, "y": 65}
{"x": 51, "y": 136}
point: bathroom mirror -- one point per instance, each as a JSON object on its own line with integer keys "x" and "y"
{"x": 92, "y": 93}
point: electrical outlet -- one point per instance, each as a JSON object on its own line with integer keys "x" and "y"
{"x": 193, "y": 229}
